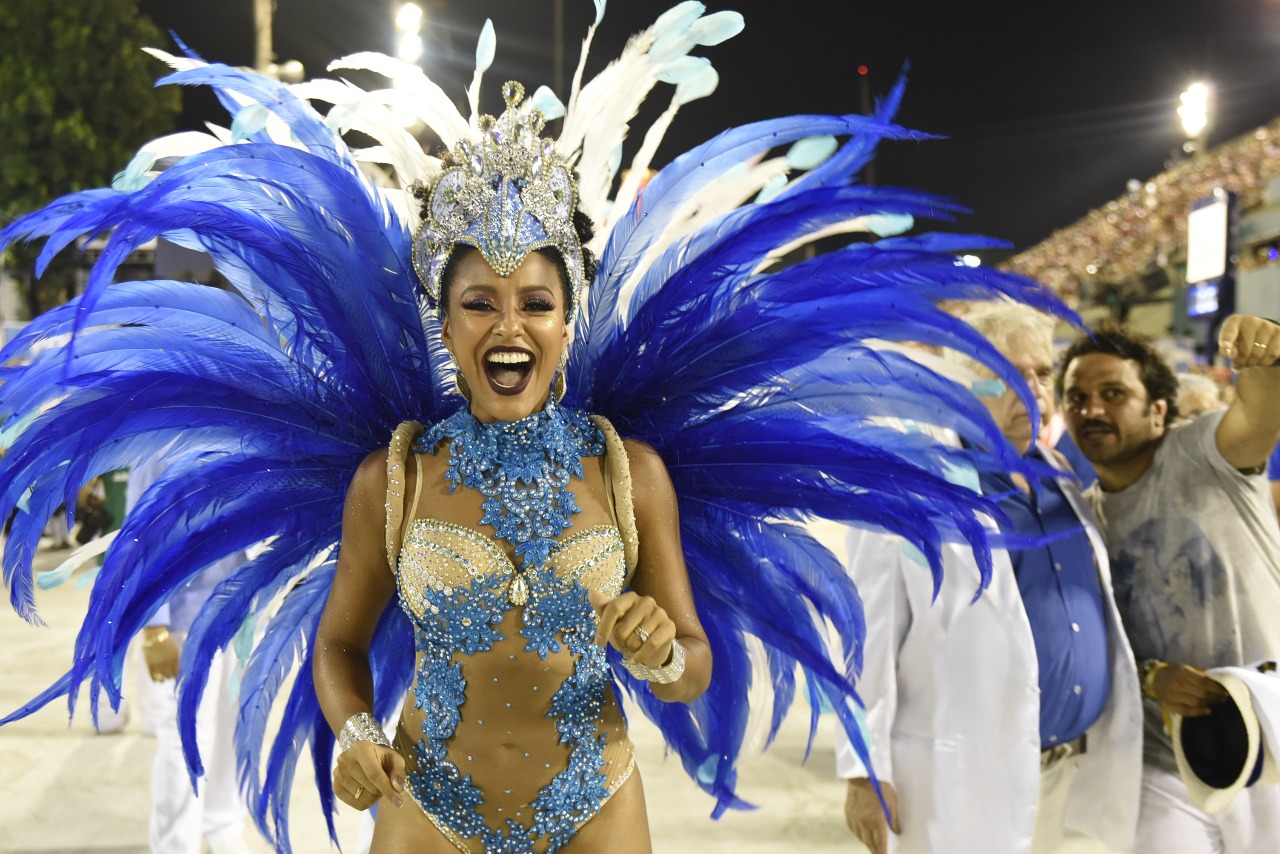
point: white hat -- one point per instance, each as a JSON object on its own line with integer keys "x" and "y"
{"x": 1234, "y": 746}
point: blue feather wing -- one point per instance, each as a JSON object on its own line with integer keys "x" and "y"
{"x": 760, "y": 386}
{"x": 265, "y": 399}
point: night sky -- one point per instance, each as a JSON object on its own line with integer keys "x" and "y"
{"x": 1048, "y": 108}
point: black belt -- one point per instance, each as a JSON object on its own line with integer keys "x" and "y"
{"x": 1075, "y": 747}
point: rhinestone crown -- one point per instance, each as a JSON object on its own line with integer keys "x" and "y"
{"x": 509, "y": 194}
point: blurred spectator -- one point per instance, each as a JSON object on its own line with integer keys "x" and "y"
{"x": 1197, "y": 394}
{"x": 1118, "y": 242}
{"x": 56, "y": 530}
{"x": 182, "y": 820}
{"x": 91, "y": 511}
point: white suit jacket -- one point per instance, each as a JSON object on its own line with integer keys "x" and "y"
{"x": 953, "y": 703}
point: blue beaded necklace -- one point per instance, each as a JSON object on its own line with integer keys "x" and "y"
{"x": 523, "y": 469}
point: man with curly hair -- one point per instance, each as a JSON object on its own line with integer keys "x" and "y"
{"x": 1194, "y": 546}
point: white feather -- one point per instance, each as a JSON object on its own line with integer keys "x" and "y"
{"x": 599, "y": 112}
{"x": 373, "y": 114}
{"x": 640, "y": 163}
{"x": 728, "y": 192}
{"x": 485, "y": 48}
{"x": 175, "y": 145}
{"x": 220, "y": 133}
{"x": 177, "y": 63}
{"x": 432, "y": 105}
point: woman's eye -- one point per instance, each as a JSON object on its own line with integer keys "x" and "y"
{"x": 538, "y": 304}
{"x": 477, "y": 304}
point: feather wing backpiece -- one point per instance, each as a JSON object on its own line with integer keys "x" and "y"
{"x": 759, "y": 382}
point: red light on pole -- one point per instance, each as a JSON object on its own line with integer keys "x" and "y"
{"x": 864, "y": 89}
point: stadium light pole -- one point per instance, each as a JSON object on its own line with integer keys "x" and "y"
{"x": 264, "y": 54}
{"x": 409, "y": 19}
{"x": 1193, "y": 111}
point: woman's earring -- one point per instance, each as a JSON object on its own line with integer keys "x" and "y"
{"x": 562, "y": 384}
{"x": 459, "y": 380}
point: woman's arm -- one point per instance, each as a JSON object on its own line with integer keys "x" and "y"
{"x": 660, "y": 600}
{"x": 362, "y": 586}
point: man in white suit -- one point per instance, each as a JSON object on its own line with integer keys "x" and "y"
{"x": 1013, "y": 723}
{"x": 184, "y": 821}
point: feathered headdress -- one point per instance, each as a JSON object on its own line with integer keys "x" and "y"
{"x": 760, "y": 383}
{"x": 510, "y": 195}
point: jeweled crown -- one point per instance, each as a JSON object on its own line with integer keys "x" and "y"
{"x": 507, "y": 195}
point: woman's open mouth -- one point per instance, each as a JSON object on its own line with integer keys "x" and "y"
{"x": 508, "y": 369}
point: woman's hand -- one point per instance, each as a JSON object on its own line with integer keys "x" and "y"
{"x": 636, "y": 626}
{"x": 368, "y": 772}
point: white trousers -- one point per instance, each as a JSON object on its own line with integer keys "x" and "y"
{"x": 181, "y": 819}
{"x": 1052, "y": 836}
{"x": 1169, "y": 823}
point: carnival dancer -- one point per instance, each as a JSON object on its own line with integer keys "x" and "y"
{"x": 542, "y": 565}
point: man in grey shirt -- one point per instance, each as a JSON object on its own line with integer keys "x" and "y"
{"x": 1194, "y": 546}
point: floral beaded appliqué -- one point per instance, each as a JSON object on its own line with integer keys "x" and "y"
{"x": 523, "y": 470}
{"x": 465, "y": 620}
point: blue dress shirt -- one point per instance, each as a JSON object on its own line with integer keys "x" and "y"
{"x": 1063, "y": 600}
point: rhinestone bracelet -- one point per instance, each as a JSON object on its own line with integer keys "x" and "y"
{"x": 664, "y": 675}
{"x": 362, "y": 727}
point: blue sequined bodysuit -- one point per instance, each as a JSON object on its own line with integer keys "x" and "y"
{"x": 512, "y": 736}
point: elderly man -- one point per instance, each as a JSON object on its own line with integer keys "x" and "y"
{"x": 1011, "y": 724}
{"x": 1195, "y": 546}
{"x": 1197, "y": 394}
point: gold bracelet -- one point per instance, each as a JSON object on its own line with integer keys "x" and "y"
{"x": 163, "y": 636}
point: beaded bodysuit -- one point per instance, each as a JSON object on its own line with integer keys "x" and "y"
{"x": 512, "y": 737}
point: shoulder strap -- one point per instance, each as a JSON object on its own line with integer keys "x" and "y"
{"x": 397, "y": 456}
{"x": 618, "y": 469}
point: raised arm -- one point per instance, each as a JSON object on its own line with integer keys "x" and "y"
{"x": 660, "y": 598}
{"x": 1251, "y": 426}
{"x": 362, "y": 587}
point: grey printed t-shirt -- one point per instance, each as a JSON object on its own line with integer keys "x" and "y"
{"x": 1195, "y": 559}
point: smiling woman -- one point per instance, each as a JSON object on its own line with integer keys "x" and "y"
{"x": 507, "y": 335}
{"x": 530, "y": 724}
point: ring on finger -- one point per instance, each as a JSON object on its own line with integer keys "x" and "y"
{"x": 1259, "y": 344}
{"x": 359, "y": 792}
{"x": 642, "y": 634}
